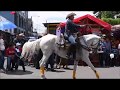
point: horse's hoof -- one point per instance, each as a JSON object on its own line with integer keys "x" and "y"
{"x": 43, "y": 77}
{"x": 74, "y": 77}
{"x": 97, "y": 75}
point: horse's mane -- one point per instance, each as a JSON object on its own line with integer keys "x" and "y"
{"x": 90, "y": 36}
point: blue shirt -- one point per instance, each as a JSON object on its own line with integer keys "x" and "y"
{"x": 106, "y": 46}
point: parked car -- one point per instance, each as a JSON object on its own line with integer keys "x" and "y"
{"x": 32, "y": 39}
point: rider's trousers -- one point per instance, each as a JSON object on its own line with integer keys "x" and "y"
{"x": 72, "y": 48}
{"x": 72, "y": 39}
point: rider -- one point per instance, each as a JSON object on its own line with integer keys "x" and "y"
{"x": 71, "y": 29}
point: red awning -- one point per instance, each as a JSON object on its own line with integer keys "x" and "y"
{"x": 86, "y": 19}
{"x": 62, "y": 24}
{"x": 94, "y": 19}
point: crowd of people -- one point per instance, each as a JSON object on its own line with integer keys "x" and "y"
{"x": 12, "y": 52}
{"x": 109, "y": 46}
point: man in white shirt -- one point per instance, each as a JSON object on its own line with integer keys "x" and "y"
{"x": 2, "y": 49}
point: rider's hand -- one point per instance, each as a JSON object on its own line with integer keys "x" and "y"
{"x": 82, "y": 25}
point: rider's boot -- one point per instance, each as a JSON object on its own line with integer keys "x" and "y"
{"x": 74, "y": 51}
{"x": 69, "y": 51}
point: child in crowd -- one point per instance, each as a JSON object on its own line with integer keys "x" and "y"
{"x": 10, "y": 53}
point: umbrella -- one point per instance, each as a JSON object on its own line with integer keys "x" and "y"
{"x": 5, "y": 24}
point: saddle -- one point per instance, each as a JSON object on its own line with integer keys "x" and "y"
{"x": 64, "y": 43}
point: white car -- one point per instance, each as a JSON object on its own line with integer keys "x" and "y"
{"x": 32, "y": 39}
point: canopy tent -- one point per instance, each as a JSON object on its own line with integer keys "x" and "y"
{"x": 6, "y": 24}
{"x": 91, "y": 22}
{"x": 89, "y": 19}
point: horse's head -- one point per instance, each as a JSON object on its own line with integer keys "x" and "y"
{"x": 92, "y": 42}
{"x": 95, "y": 43}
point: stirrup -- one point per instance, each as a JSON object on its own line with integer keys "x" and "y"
{"x": 67, "y": 56}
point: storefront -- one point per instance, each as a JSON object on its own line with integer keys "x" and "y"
{"x": 51, "y": 27}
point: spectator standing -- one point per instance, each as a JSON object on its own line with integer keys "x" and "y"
{"x": 114, "y": 51}
{"x": 2, "y": 52}
{"x": 107, "y": 51}
{"x": 119, "y": 53}
{"x": 20, "y": 39}
{"x": 101, "y": 54}
{"x": 19, "y": 61}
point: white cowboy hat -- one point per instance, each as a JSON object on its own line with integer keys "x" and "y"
{"x": 18, "y": 44}
{"x": 71, "y": 14}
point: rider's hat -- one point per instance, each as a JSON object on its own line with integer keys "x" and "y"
{"x": 71, "y": 14}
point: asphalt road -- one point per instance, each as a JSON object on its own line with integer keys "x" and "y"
{"x": 83, "y": 72}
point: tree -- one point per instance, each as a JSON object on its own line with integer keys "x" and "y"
{"x": 98, "y": 13}
{"x": 106, "y": 14}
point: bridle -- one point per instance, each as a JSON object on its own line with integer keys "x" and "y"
{"x": 90, "y": 48}
{"x": 96, "y": 48}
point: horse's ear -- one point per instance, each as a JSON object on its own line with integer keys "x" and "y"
{"x": 99, "y": 37}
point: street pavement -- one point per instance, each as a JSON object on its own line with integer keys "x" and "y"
{"x": 83, "y": 72}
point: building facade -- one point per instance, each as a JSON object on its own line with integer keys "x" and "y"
{"x": 51, "y": 27}
{"x": 20, "y": 19}
{"x": 29, "y": 27}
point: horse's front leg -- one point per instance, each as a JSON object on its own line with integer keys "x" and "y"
{"x": 74, "y": 69}
{"x": 96, "y": 73}
{"x": 88, "y": 62}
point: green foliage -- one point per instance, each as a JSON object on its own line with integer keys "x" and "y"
{"x": 107, "y": 14}
{"x": 111, "y": 21}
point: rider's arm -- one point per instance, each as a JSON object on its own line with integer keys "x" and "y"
{"x": 77, "y": 25}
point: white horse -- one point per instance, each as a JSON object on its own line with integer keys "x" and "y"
{"x": 28, "y": 49}
{"x": 48, "y": 45}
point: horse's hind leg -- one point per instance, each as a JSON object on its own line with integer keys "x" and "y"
{"x": 88, "y": 62}
{"x": 59, "y": 65}
{"x": 42, "y": 64}
{"x": 74, "y": 69}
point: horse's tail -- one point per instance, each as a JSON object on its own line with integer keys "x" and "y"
{"x": 24, "y": 53}
{"x": 37, "y": 45}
